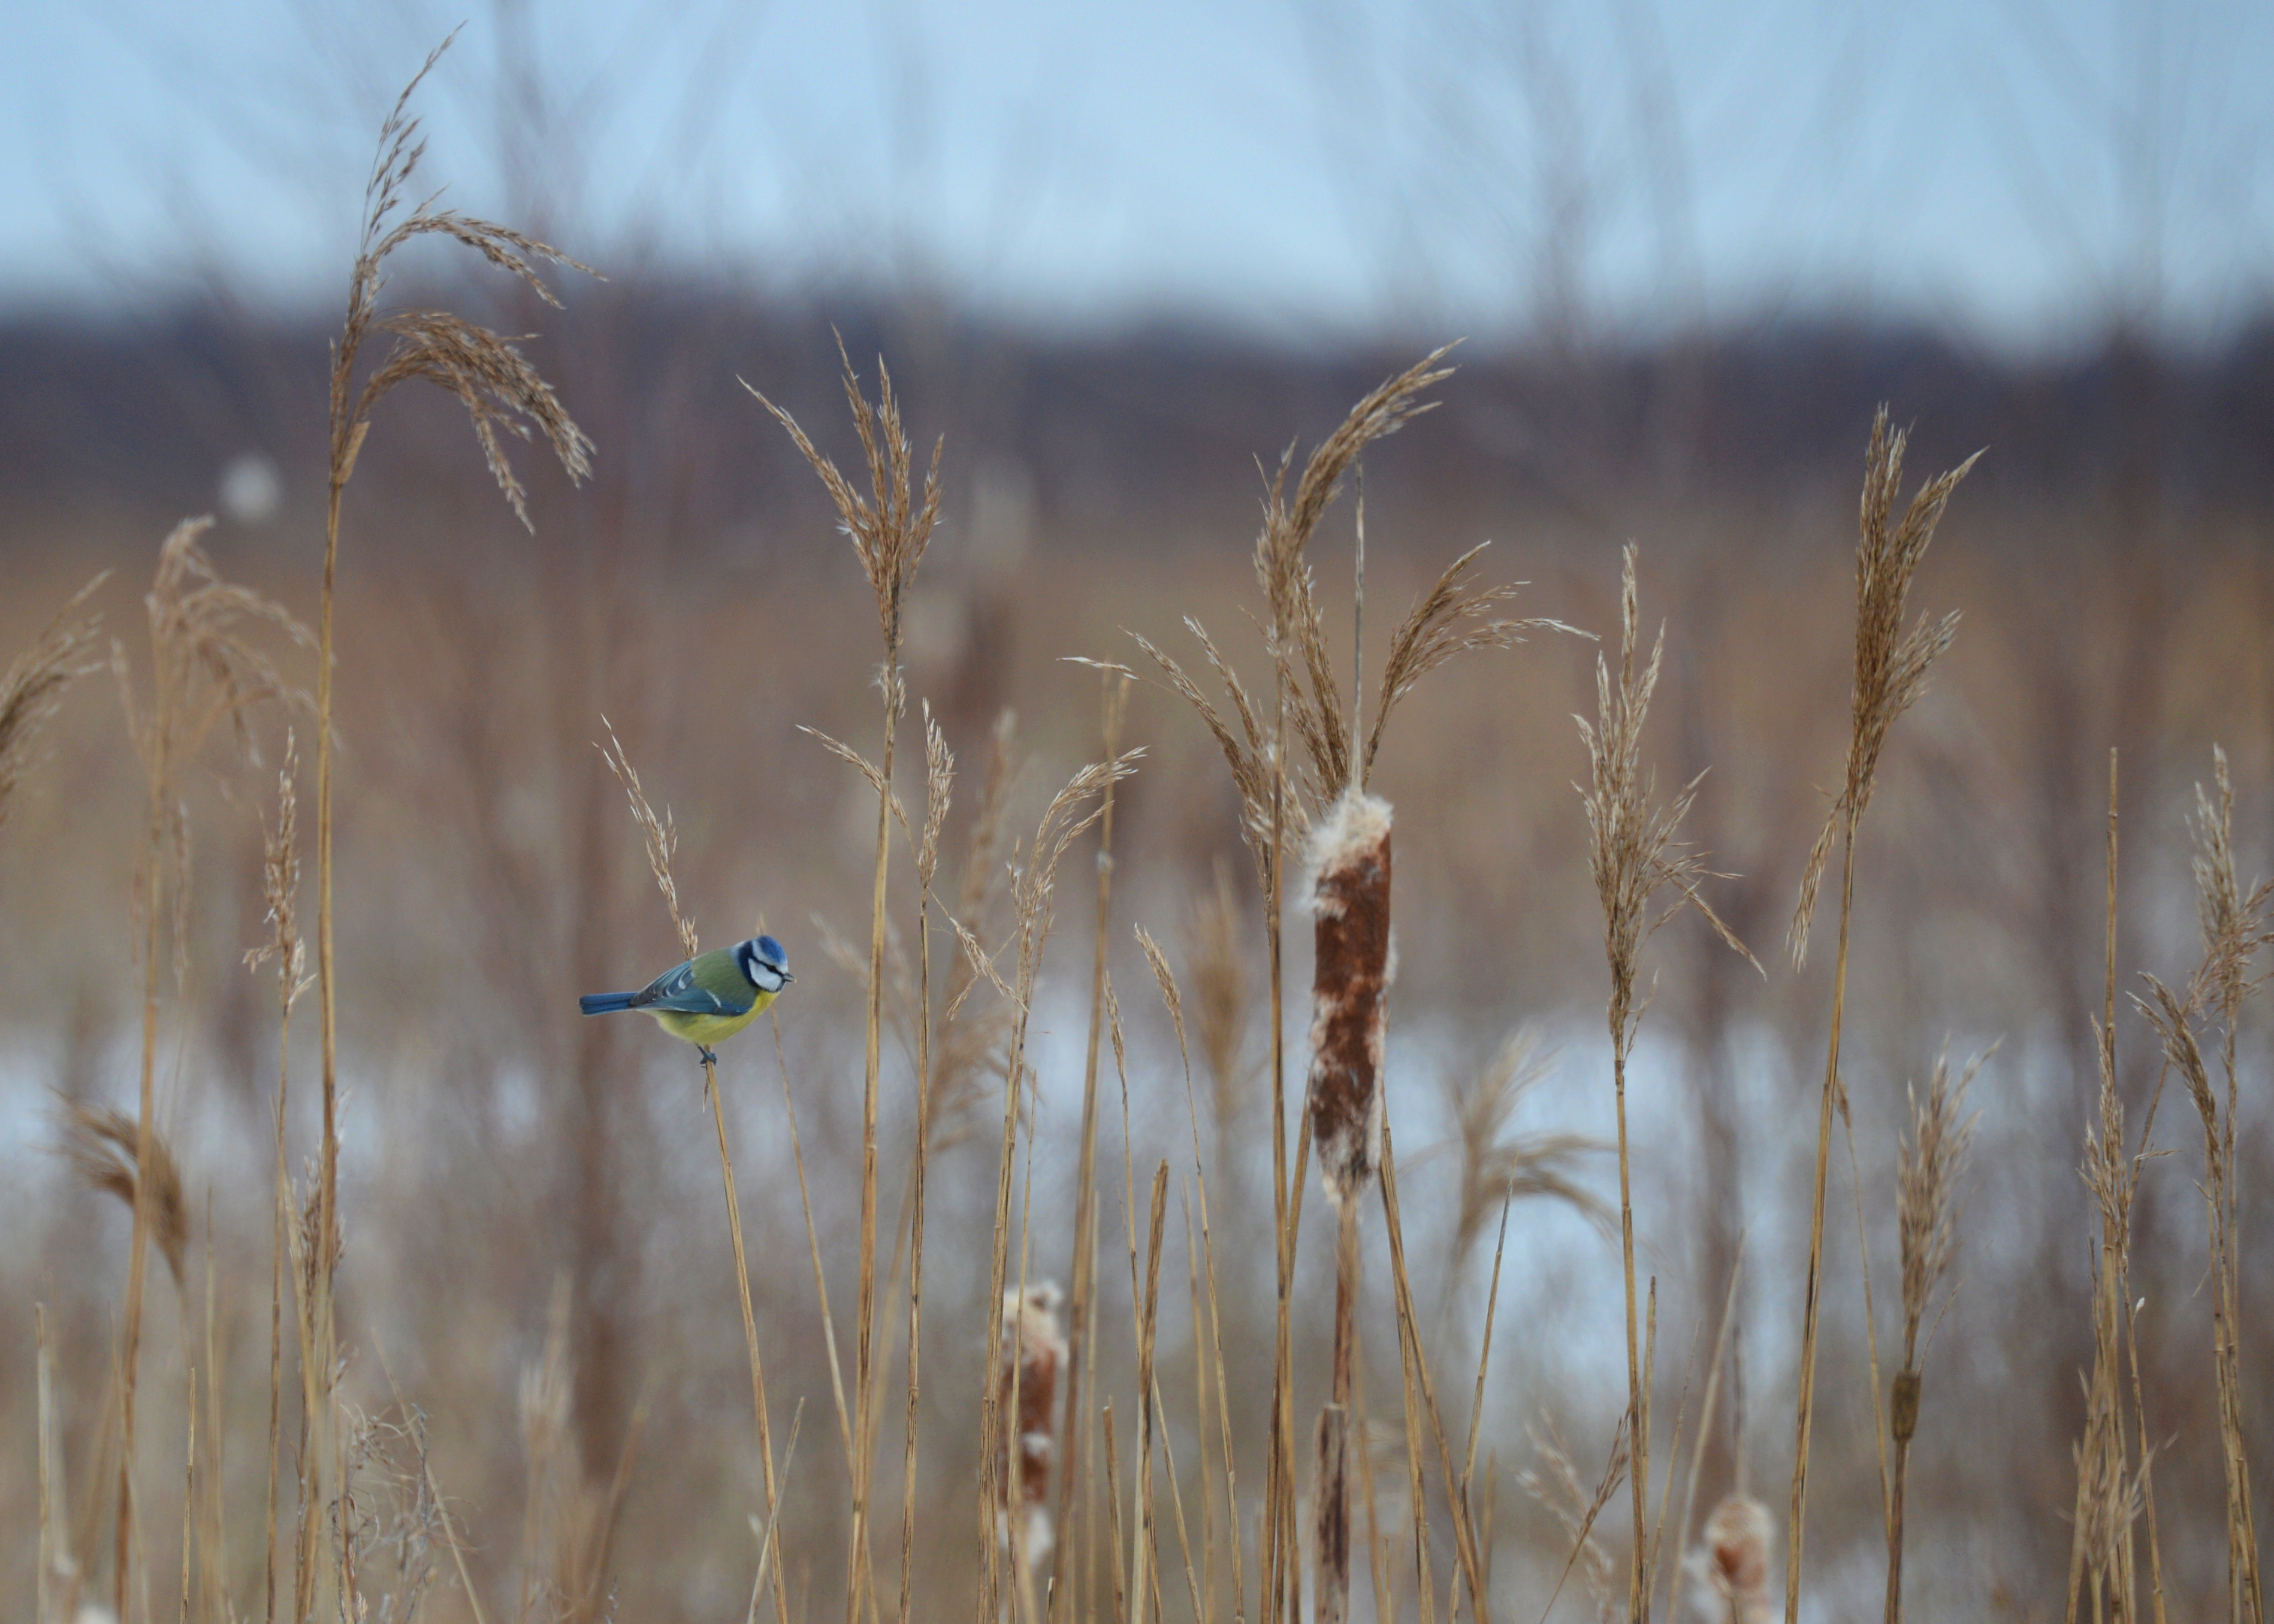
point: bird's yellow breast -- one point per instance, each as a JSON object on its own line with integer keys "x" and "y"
{"x": 708, "y": 1029}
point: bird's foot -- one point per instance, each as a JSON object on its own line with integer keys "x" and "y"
{"x": 708, "y": 1058}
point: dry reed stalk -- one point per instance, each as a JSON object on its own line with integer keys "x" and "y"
{"x": 1417, "y": 1379}
{"x": 1351, "y": 846}
{"x": 889, "y": 529}
{"x": 204, "y": 670}
{"x": 1033, "y": 888}
{"x": 500, "y": 391}
{"x": 1721, "y": 1340}
{"x": 939, "y": 783}
{"x": 1174, "y": 1002}
{"x": 1634, "y": 853}
{"x": 1932, "y": 1163}
{"x": 660, "y": 838}
{"x": 2234, "y": 931}
{"x": 1145, "y": 1555}
{"x": 1891, "y": 672}
{"x": 1558, "y": 1488}
{"x": 54, "y": 1557}
{"x": 280, "y": 885}
{"x": 1082, "y": 1268}
{"x": 31, "y": 689}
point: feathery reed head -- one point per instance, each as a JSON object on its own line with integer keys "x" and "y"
{"x": 32, "y": 687}
{"x": 498, "y": 389}
{"x": 1495, "y": 1167}
{"x": 890, "y": 528}
{"x": 1556, "y": 1483}
{"x": 661, "y": 834}
{"x": 1349, "y": 989}
{"x": 1633, "y": 852}
{"x": 280, "y": 881}
{"x": 1891, "y": 663}
{"x": 2233, "y": 921}
{"x": 1928, "y": 1169}
{"x": 102, "y": 1146}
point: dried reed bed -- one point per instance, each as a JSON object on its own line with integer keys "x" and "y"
{"x": 1085, "y": 1508}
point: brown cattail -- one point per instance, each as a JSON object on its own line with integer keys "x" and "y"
{"x": 1033, "y": 1348}
{"x": 1350, "y": 989}
{"x": 1733, "y": 1564}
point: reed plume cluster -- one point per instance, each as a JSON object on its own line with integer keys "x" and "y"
{"x": 1634, "y": 854}
{"x": 2208, "y": 1014}
{"x": 31, "y": 689}
{"x": 1891, "y": 664}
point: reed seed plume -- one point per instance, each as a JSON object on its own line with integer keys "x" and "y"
{"x": 31, "y": 689}
{"x": 1928, "y": 1170}
{"x": 891, "y": 526}
{"x": 1891, "y": 663}
{"x": 103, "y": 1147}
{"x": 657, "y": 832}
{"x": 2235, "y": 930}
{"x": 1496, "y": 1169}
{"x": 1928, "y": 1174}
{"x": 500, "y": 391}
{"x": 1454, "y": 617}
{"x": 1633, "y": 855}
{"x": 1890, "y": 674}
{"x": 1556, "y": 1483}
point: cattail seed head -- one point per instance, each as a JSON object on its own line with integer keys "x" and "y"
{"x": 1034, "y": 1348}
{"x": 1733, "y": 1564}
{"x": 1350, "y": 989}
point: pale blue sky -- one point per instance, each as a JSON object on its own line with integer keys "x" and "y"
{"x": 2015, "y": 168}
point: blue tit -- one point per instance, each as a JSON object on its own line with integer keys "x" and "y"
{"x": 711, "y": 997}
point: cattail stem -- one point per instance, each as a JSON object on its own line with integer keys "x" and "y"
{"x": 1639, "y": 1587}
{"x": 1797, "y": 1512}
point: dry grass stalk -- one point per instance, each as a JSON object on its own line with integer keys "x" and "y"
{"x": 1032, "y": 889}
{"x": 1891, "y": 672}
{"x": 500, "y": 391}
{"x": 1555, "y": 1484}
{"x": 31, "y": 689}
{"x": 2235, "y": 932}
{"x": 660, "y": 838}
{"x": 889, "y": 529}
{"x": 1927, "y": 1171}
{"x": 1082, "y": 1268}
{"x": 1213, "y": 1361}
{"x": 939, "y": 785}
{"x": 1633, "y": 855}
{"x": 280, "y": 885}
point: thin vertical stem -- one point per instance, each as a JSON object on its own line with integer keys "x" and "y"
{"x": 749, "y": 1320}
{"x": 1797, "y": 1513}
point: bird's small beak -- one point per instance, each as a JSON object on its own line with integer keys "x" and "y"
{"x": 788, "y": 978}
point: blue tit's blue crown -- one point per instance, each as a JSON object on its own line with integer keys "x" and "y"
{"x": 763, "y": 964}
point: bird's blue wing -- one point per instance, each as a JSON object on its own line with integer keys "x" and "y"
{"x": 680, "y": 992}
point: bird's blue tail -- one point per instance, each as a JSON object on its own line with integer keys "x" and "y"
{"x": 605, "y": 1003}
